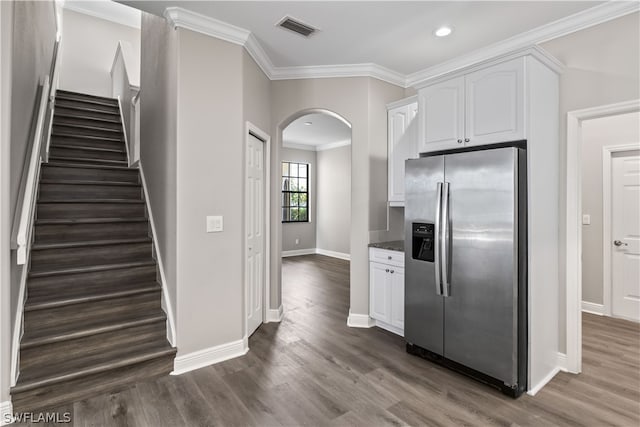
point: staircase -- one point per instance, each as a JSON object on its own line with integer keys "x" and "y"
{"x": 93, "y": 320}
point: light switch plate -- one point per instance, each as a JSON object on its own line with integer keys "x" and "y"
{"x": 586, "y": 219}
{"x": 214, "y": 224}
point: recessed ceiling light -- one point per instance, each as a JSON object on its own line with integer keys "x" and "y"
{"x": 443, "y": 31}
{"x": 308, "y": 123}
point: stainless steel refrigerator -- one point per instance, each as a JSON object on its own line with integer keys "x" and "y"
{"x": 465, "y": 263}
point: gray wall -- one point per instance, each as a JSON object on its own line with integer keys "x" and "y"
{"x": 361, "y": 101}
{"x": 6, "y": 31}
{"x": 596, "y": 134}
{"x": 603, "y": 65}
{"x": 33, "y": 40}
{"x": 210, "y": 182}
{"x": 333, "y": 219}
{"x": 158, "y": 137}
{"x": 88, "y": 50}
{"x": 304, "y": 231}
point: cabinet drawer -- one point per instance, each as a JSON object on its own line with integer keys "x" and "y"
{"x": 385, "y": 256}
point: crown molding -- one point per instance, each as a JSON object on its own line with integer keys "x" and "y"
{"x": 183, "y": 18}
{"x": 342, "y": 70}
{"x": 322, "y": 147}
{"x": 109, "y": 11}
{"x": 570, "y": 24}
{"x": 524, "y": 43}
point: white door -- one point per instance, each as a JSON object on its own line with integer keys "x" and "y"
{"x": 442, "y": 115}
{"x": 402, "y": 139}
{"x": 495, "y": 104}
{"x": 625, "y": 233}
{"x": 380, "y": 304}
{"x": 255, "y": 226}
{"x": 397, "y": 297}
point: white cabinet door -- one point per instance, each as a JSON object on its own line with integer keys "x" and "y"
{"x": 442, "y": 115}
{"x": 402, "y": 146}
{"x": 495, "y": 104}
{"x": 379, "y": 286}
{"x": 397, "y": 297}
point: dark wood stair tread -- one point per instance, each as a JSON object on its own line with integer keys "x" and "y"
{"x": 87, "y": 101}
{"x": 82, "y": 243}
{"x": 84, "y": 160}
{"x": 73, "y": 221}
{"x": 43, "y": 336}
{"x": 89, "y": 148}
{"x": 123, "y": 201}
{"x": 59, "y": 134}
{"x": 63, "y": 164}
{"x": 64, "y": 92}
{"x": 87, "y": 127}
{"x": 87, "y": 182}
{"x": 75, "y": 368}
{"x": 91, "y": 268}
{"x": 81, "y": 117}
{"x": 78, "y": 295}
{"x": 89, "y": 110}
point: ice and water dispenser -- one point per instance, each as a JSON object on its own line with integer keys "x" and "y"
{"x": 423, "y": 241}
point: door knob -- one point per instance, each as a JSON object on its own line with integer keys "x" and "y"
{"x": 387, "y": 270}
{"x": 459, "y": 141}
{"x": 619, "y": 243}
{"x": 466, "y": 140}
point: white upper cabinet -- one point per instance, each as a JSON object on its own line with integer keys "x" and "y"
{"x": 402, "y": 145}
{"x": 483, "y": 107}
{"x": 442, "y": 115}
{"x": 495, "y": 104}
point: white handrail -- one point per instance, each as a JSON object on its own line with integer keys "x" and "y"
{"x": 28, "y": 201}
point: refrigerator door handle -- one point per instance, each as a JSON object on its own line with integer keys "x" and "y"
{"x": 437, "y": 226}
{"x": 444, "y": 256}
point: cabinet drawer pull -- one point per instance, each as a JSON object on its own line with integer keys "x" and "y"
{"x": 391, "y": 271}
{"x": 387, "y": 270}
{"x": 389, "y": 257}
{"x": 466, "y": 140}
{"x": 459, "y": 141}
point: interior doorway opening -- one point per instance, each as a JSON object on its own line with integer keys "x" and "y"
{"x": 315, "y": 200}
{"x": 580, "y": 127}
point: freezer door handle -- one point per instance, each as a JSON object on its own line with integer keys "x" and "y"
{"x": 436, "y": 232}
{"x": 444, "y": 256}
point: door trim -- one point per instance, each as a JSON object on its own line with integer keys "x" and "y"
{"x": 255, "y": 131}
{"x": 607, "y": 198}
{"x": 573, "y": 223}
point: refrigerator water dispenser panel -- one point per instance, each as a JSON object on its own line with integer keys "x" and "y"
{"x": 423, "y": 241}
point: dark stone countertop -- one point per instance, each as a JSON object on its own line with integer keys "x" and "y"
{"x": 396, "y": 245}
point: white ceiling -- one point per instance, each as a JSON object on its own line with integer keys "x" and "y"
{"x": 397, "y": 35}
{"x": 325, "y": 132}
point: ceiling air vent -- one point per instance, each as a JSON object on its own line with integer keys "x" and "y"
{"x": 296, "y": 26}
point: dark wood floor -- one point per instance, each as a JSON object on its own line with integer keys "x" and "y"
{"x": 312, "y": 369}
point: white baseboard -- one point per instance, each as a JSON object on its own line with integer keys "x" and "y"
{"x": 390, "y": 328}
{"x": 274, "y": 315}
{"x": 535, "y": 389}
{"x": 333, "y": 254}
{"x": 593, "y": 308}
{"x": 360, "y": 320}
{"x": 316, "y": 251}
{"x": 6, "y": 413}
{"x": 209, "y": 356}
{"x": 562, "y": 362}
{"x": 298, "y": 252}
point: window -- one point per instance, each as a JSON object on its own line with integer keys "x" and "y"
{"x": 295, "y": 192}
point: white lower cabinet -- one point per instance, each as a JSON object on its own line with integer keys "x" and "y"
{"x": 386, "y": 289}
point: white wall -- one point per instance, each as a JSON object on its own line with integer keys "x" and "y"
{"x": 305, "y": 232}
{"x": 88, "y": 49}
{"x": 596, "y": 134}
{"x": 333, "y": 219}
{"x": 603, "y": 64}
